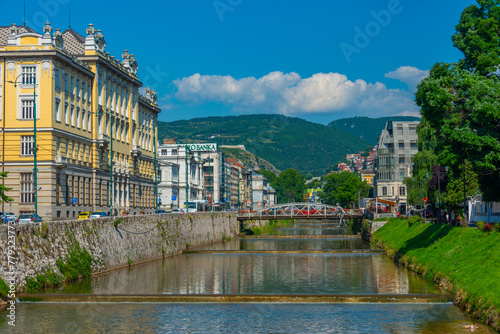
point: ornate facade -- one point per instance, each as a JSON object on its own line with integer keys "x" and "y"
{"x": 95, "y": 133}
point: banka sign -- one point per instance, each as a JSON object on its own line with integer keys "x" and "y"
{"x": 202, "y": 147}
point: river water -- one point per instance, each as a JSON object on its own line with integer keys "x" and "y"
{"x": 221, "y": 272}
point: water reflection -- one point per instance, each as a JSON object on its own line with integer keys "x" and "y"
{"x": 238, "y": 318}
{"x": 310, "y": 231}
{"x": 259, "y": 273}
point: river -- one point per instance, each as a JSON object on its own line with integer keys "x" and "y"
{"x": 253, "y": 269}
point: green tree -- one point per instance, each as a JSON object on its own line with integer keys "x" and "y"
{"x": 290, "y": 186}
{"x": 270, "y": 176}
{"x": 466, "y": 181}
{"x": 417, "y": 186}
{"x": 477, "y": 36}
{"x": 460, "y": 103}
{"x": 3, "y": 189}
{"x": 343, "y": 188}
{"x": 315, "y": 184}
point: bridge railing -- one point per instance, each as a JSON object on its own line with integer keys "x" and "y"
{"x": 301, "y": 210}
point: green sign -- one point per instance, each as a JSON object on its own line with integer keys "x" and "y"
{"x": 202, "y": 147}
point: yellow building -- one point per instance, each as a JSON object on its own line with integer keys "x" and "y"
{"x": 89, "y": 116}
{"x": 368, "y": 177}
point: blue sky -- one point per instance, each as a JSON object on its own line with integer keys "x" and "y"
{"x": 319, "y": 60}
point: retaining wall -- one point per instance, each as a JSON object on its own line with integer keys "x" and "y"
{"x": 29, "y": 249}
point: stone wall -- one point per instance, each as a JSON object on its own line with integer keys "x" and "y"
{"x": 135, "y": 239}
{"x": 376, "y": 225}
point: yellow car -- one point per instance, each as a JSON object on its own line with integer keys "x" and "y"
{"x": 84, "y": 215}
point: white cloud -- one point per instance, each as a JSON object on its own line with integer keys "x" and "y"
{"x": 292, "y": 95}
{"x": 409, "y": 75}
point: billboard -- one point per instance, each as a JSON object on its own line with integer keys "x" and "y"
{"x": 202, "y": 147}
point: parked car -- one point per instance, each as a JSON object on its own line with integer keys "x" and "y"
{"x": 7, "y": 217}
{"x": 161, "y": 211}
{"x": 84, "y": 215}
{"x": 98, "y": 214}
{"x": 29, "y": 218}
{"x": 176, "y": 211}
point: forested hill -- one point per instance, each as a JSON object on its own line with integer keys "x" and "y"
{"x": 367, "y": 128}
{"x": 286, "y": 142}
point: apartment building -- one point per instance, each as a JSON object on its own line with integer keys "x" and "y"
{"x": 396, "y": 148}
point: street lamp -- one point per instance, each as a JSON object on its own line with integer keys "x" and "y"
{"x": 439, "y": 174}
{"x": 187, "y": 175}
{"x": 35, "y": 170}
{"x": 156, "y": 171}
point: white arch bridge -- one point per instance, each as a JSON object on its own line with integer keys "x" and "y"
{"x": 302, "y": 211}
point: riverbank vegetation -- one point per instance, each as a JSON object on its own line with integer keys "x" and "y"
{"x": 271, "y": 227}
{"x": 462, "y": 260}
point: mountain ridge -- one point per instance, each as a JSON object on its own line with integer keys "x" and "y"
{"x": 286, "y": 142}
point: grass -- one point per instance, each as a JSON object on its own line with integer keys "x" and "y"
{"x": 467, "y": 258}
{"x": 78, "y": 263}
{"x": 270, "y": 228}
{"x": 4, "y": 289}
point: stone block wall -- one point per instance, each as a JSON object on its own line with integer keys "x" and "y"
{"x": 30, "y": 249}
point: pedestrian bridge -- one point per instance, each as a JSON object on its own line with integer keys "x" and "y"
{"x": 301, "y": 211}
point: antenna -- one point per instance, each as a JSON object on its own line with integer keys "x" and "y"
{"x": 24, "y": 17}
{"x": 69, "y": 18}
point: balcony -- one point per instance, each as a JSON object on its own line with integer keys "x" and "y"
{"x": 103, "y": 141}
{"x": 61, "y": 161}
{"x": 136, "y": 151}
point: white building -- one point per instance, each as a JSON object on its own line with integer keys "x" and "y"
{"x": 263, "y": 195}
{"x": 479, "y": 211}
{"x": 175, "y": 168}
{"x": 168, "y": 185}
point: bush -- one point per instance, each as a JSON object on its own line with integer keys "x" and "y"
{"x": 488, "y": 227}
{"x": 78, "y": 263}
{"x": 413, "y": 220}
{"x": 4, "y": 289}
{"x": 480, "y": 226}
{"x": 497, "y": 227}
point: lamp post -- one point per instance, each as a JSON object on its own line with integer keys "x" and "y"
{"x": 187, "y": 175}
{"x": 35, "y": 169}
{"x": 210, "y": 195}
{"x": 111, "y": 166}
{"x": 156, "y": 172}
{"x": 466, "y": 218}
{"x": 439, "y": 183}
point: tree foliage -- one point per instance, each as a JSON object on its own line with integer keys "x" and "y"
{"x": 465, "y": 183}
{"x": 3, "y": 189}
{"x": 460, "y": 103}
{"x": 343, "y": 188}
{"x": 290, "y": 186}
{"x": 270, "y": 176}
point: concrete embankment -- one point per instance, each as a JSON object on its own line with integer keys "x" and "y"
{"x": 30, "y": 249}
{"x": 464, "y": 261}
